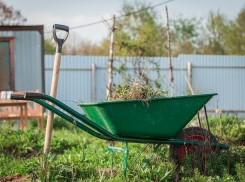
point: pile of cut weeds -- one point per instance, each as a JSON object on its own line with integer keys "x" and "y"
{"x": 136, "y": 90}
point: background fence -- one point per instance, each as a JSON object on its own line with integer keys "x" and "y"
{"x": 84, "y": 78}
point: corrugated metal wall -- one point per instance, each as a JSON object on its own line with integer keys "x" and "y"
{"x": 222, "y": 74}
{"x": 27, "y": 59}
{"x": 210, "y": 74}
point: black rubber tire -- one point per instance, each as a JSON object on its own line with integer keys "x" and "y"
{"x": 174, "y": 149}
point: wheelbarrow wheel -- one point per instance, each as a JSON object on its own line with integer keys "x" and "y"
{"x": 197, "y": 154}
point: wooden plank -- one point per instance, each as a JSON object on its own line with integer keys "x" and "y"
{"x": 12, "y": 110}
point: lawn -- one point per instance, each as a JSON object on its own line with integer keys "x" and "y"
{"x": 77, "y": 156}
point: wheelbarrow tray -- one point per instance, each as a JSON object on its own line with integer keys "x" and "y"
{"x": 159, "y": 118}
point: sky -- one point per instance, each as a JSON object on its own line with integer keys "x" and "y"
{"x": 79, "y": 12}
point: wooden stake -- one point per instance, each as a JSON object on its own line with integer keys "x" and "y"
{"x": 110, "y": 67}
{"x": 169, "y": 56}
{"x": 190, "y": 87}
{"x": 189, "y": 70}
{"x": 93, "y": 75}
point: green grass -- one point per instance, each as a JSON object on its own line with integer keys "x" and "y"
{"x": 227, "y": 128}
{"x": 77, "y": 156}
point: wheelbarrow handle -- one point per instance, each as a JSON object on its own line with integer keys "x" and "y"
{"x": 27, "y": 96}
{"x": 59, "y": 41}
{"x": 31, "y": 95}
{"x": 17, "y": 97}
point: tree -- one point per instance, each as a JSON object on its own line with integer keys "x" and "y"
{"x": 139, "y": 35}
{"x": 184, "y": 35}
{"x": 235, "y": 35}
{"x": 214, "y": 34}
{"x": 76, "y": 45}
{"x": 9, "y": 16}
{"x": 49, "y": 46}
{"x": 223, "y": 36}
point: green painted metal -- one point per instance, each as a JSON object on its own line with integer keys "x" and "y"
{"x": 139, "y": 155}
{"x": 124, "y": 151}
{"x": 116, "y": 149}
{"x": 125, "y": 163}
{"x": 71, "y": 120}
{"x": 151, "y": 155}
{"x": 104, "y": 134}
{"x": 161, "y": 118}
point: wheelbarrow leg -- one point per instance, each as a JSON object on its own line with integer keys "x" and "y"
{"x": 124, "y": 151}
{"x": 139, "y": 154}
{"x": 125, "y": 160}
{"x": 198, "y": 117}
{"x": 206, "y": 116}
{"x": 151, "y": 155}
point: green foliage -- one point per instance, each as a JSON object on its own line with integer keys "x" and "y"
{"x": 215, "y": 33}
{"x": 144, "y": 34}
{"x": 49, "y": 46}
{"x": 58, "y": 123}
{"x": 228, "y": 128}
{"x": 184, "y": 35}
{"x": 139, "y": 36}
{"x": 234, "y": 35}
{"x": 25, "y": 144}
{"x": 219, "y": 36}
{"x": 76, "y": 156}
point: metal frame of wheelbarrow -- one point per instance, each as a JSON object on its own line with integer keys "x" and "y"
{"x": 99, "y": 132}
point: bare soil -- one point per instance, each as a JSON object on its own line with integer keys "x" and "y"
{"x": 16, "y": 178}
{"x": 108, "y": 172}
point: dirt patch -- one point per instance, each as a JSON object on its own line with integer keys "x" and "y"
{"x": 16, "y": 178}
{"x": 15, "y": 152}
{"x": 108, "y": 172}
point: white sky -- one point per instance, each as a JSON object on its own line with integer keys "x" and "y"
{"x": 79, "y": 12}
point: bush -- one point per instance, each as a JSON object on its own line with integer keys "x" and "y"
{"x": 58, "y": 123}
{"x": 228, "y": 128}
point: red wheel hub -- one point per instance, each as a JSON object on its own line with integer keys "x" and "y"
{"x": 185, "y": 150}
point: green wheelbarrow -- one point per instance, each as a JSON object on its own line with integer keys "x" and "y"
{"x": 156, "y": 121}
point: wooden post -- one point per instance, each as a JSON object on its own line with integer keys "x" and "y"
{"x": 189, "y": 70}
{"x": 169, "y": 57}
{"x": 21, "y": 118}
{"x": 110, "y": 66}
{"x": 54, "y": 84}
{"x": 26, "y": 121}
{"x": 189, "y": 81}
{"x": 93, "y": 82}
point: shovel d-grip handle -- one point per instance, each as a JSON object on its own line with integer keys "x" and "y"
{"x": 60, "y": 42}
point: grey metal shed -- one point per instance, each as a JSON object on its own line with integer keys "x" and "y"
{"x": 22, "y": 58}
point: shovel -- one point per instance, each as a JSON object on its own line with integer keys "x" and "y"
{"x": 55, "y": 78}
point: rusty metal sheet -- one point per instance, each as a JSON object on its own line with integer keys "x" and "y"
{"x": 4, "y": 65}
